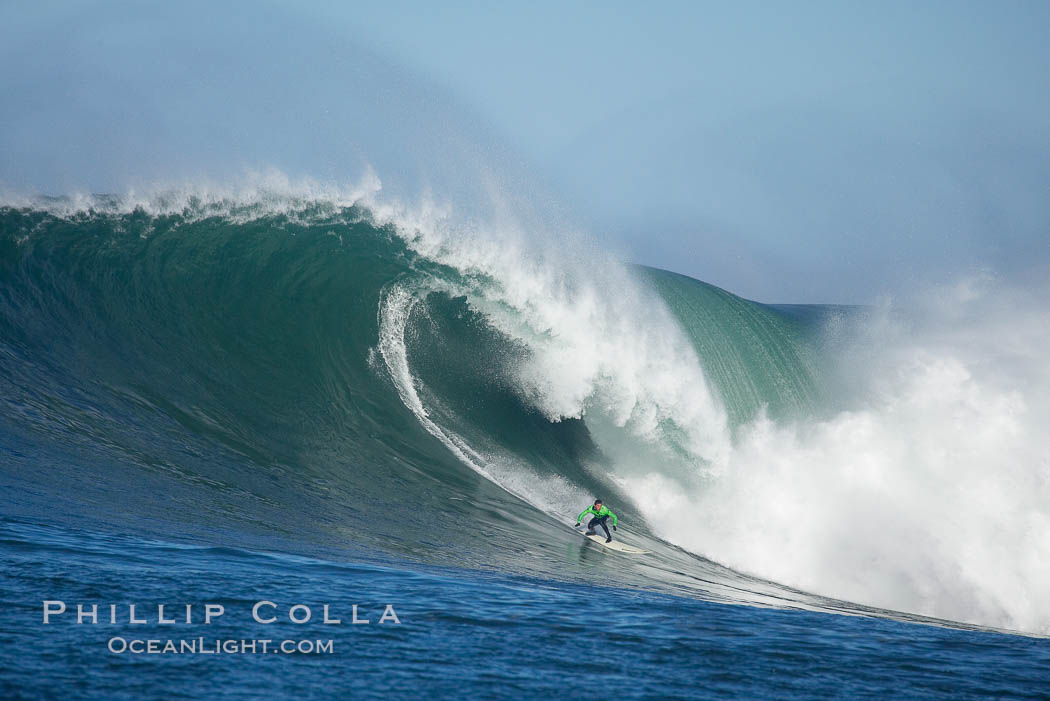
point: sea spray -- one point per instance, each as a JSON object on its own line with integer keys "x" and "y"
{"x": 930, "y": 494}
{"x": 927, "y": 495}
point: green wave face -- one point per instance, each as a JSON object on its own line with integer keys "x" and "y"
{"x": 225, "y": 356}
{"x": 237, "y": 360}
{"x": 757, "y": 356}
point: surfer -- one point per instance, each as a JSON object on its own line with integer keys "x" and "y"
{"x": 601, "y": 515}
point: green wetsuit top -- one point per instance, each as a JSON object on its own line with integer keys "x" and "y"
{"x": 604, "y": 511}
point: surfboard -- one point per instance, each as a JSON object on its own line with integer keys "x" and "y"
{"x": 616, "y": 545}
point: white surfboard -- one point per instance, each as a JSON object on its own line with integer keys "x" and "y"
{"x": 616, "y": 545}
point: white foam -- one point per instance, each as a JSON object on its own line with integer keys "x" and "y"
{"x": 552, "y": 495}
{"x": 598, "y": 340}
{"x": 258, "y": 193}
{"x": 932, "y": 496}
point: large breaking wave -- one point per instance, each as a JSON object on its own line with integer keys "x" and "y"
{"x": 322, "y": 367}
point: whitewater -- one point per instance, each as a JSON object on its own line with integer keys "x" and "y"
{"x": 887, "y": 460}
{"x": 924, "y": 489}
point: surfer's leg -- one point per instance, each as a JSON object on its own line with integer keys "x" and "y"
{"x": 590, "y": 526}
{"x": 605, "y": 528}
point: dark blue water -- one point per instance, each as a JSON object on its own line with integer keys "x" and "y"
{"x": 462, "y": 634}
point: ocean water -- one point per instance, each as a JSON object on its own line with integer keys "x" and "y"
{"x": 322, "y": 399}
{"x": 459, "y": 633}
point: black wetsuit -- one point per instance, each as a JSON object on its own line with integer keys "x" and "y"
{"x": 599, "y": 521}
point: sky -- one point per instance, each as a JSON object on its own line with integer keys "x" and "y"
{"x": 789, "y": 152}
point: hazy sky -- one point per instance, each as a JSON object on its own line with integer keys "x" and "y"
{"x": 790, "y": 152}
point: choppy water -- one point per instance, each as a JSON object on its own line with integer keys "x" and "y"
{"x": 460, "y": 633}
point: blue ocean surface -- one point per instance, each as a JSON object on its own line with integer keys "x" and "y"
{"x": 461, "y": 634}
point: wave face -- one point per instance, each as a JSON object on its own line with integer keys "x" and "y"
{"x": 315, "y": 372}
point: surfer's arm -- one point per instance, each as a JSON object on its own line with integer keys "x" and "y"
{"x": 613, "y": 518}
{"x": 588, "y": 510}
